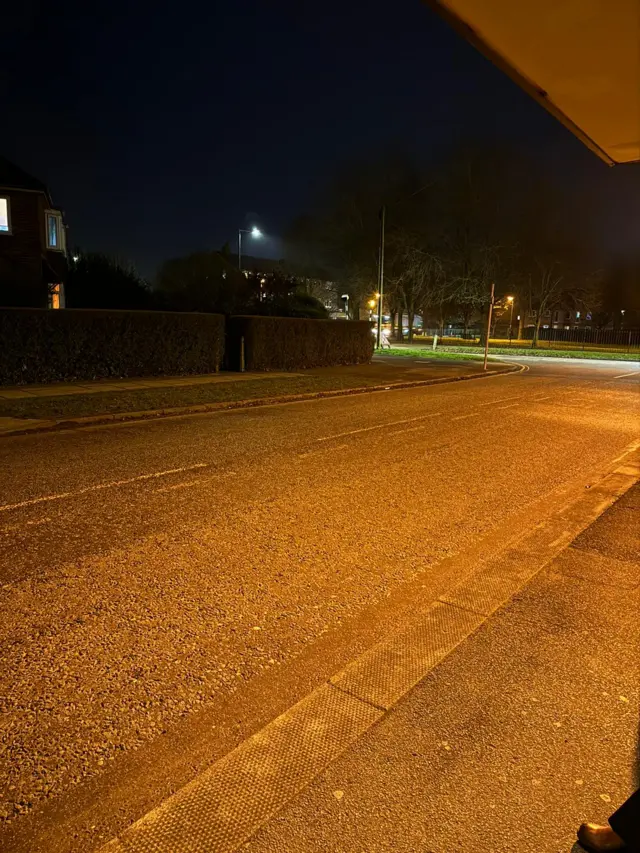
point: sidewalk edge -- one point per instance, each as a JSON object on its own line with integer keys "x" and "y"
{"x": 202, "y": 408}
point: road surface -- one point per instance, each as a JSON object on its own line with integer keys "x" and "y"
{"x": 170, "y": 586}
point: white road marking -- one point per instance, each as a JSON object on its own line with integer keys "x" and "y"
{"x": 500, "y": 400}
{"x": 622, "y": 375}
{"x": 321, "y": 450}
{"x": 540, "y": 399}
{"x": 462, "y": 417}
{"x": 378, "y": 426}
{"x": 35, "y": 523}
{"x": 510, "y": 406}
{"x": 100, "y": 486}
{"x": 409, "y": 429}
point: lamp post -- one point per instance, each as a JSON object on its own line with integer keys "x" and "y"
{"x": 383, "y": 224}
{"x": 255, "y": 232}
{"x": 510, "y": 300}
{"x": 486, "y": 340}
{"x": 383, "y": 221}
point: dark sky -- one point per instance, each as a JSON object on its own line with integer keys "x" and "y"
{"x": 163, "y": 127}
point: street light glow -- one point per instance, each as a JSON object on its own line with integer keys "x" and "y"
{"x": 256, "y": 232}
{"x": 509, "y": 298}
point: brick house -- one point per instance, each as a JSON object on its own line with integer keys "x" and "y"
{"x": 33, "y": 245}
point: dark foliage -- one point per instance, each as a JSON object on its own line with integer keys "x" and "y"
{"x": 50, "y": 346}
{"x": 281, "y": 295}
{"x": 203, "y": 281}
{"x": 286, "y": 343}
{"x": 98, "y": 281}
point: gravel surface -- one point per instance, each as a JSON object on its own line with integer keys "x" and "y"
{"x": 140, "y": 588}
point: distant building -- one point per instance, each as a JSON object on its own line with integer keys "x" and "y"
{"x": 315, "y": 285}
{"x": 33, "y": 245}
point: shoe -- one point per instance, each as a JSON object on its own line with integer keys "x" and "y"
{"x": 599, "y": 839}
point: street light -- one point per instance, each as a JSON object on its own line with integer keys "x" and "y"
{"x": 383, "y": 224}
{"x": 254, "y": 232}
{"x": 510, "y": 300}
{"x": 345, "y": 296}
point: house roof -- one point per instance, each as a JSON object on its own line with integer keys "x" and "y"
{"x": 580, "y": 59}
{"x": 13, "y": 177}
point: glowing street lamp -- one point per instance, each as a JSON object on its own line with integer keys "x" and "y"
{"x": 253, "y": 232}
{"x": 510, "y": 300}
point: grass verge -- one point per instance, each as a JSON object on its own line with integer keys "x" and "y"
{"x": 449, "y": 354}
{"x": 475, "y": 352}
{"x": 140, "y": 400}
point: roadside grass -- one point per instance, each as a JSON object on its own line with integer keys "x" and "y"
{"x": 449, "y": 354}
{"x": 139, "y": 400}
{"x": 475, "y": 352}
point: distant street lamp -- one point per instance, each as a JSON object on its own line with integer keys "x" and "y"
{"x": 345, "y": 296}
{"x": 510, "y": 300}
{"x": 622, "y": 312}
{"x": 254, "y": 232}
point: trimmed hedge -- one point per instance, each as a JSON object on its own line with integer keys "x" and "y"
{"x": 287, "y": 343}
{"x": 40, "y": 345}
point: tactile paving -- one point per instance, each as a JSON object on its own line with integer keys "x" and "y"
{"x": 388, "y": 670}
{"x": 223, "y": 807}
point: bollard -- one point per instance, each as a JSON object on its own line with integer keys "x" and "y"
{"x": 242, "y": 354}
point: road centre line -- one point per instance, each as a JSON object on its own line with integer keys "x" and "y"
{"x": 100, "y": 486}
{"x": 409, "y": 429}
{"x": 622, "y": 375}
{"x": 500, "y": 400}
{"x": 321, "y": 450}
{"x": 378, "y": 426}
{"x": 470, "y": 415}
{"x": 35, "y": 523}
{"x": 510, "y": 406}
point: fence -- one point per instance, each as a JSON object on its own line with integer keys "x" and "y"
{"x": 593, "y": 340}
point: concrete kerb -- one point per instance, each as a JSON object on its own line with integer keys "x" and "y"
{"x": 223, "y": 807}
{"x": 203, "y": 408}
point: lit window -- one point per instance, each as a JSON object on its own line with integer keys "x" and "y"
{"x": 54, "y": 296}
{"x": 54, "y": 230}
{"x": 5, "y": 220}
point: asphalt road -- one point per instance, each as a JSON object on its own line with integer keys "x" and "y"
{"x": 168, "y": 586}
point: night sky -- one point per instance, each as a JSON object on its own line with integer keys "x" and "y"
{"x": 163, "y": 127}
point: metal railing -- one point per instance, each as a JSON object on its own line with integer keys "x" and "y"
{"x": 584, "y": 339}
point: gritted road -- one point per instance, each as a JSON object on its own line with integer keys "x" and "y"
{"x": 170, "y": 586}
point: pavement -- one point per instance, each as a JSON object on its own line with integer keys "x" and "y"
{"x": 171, "y": 587}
